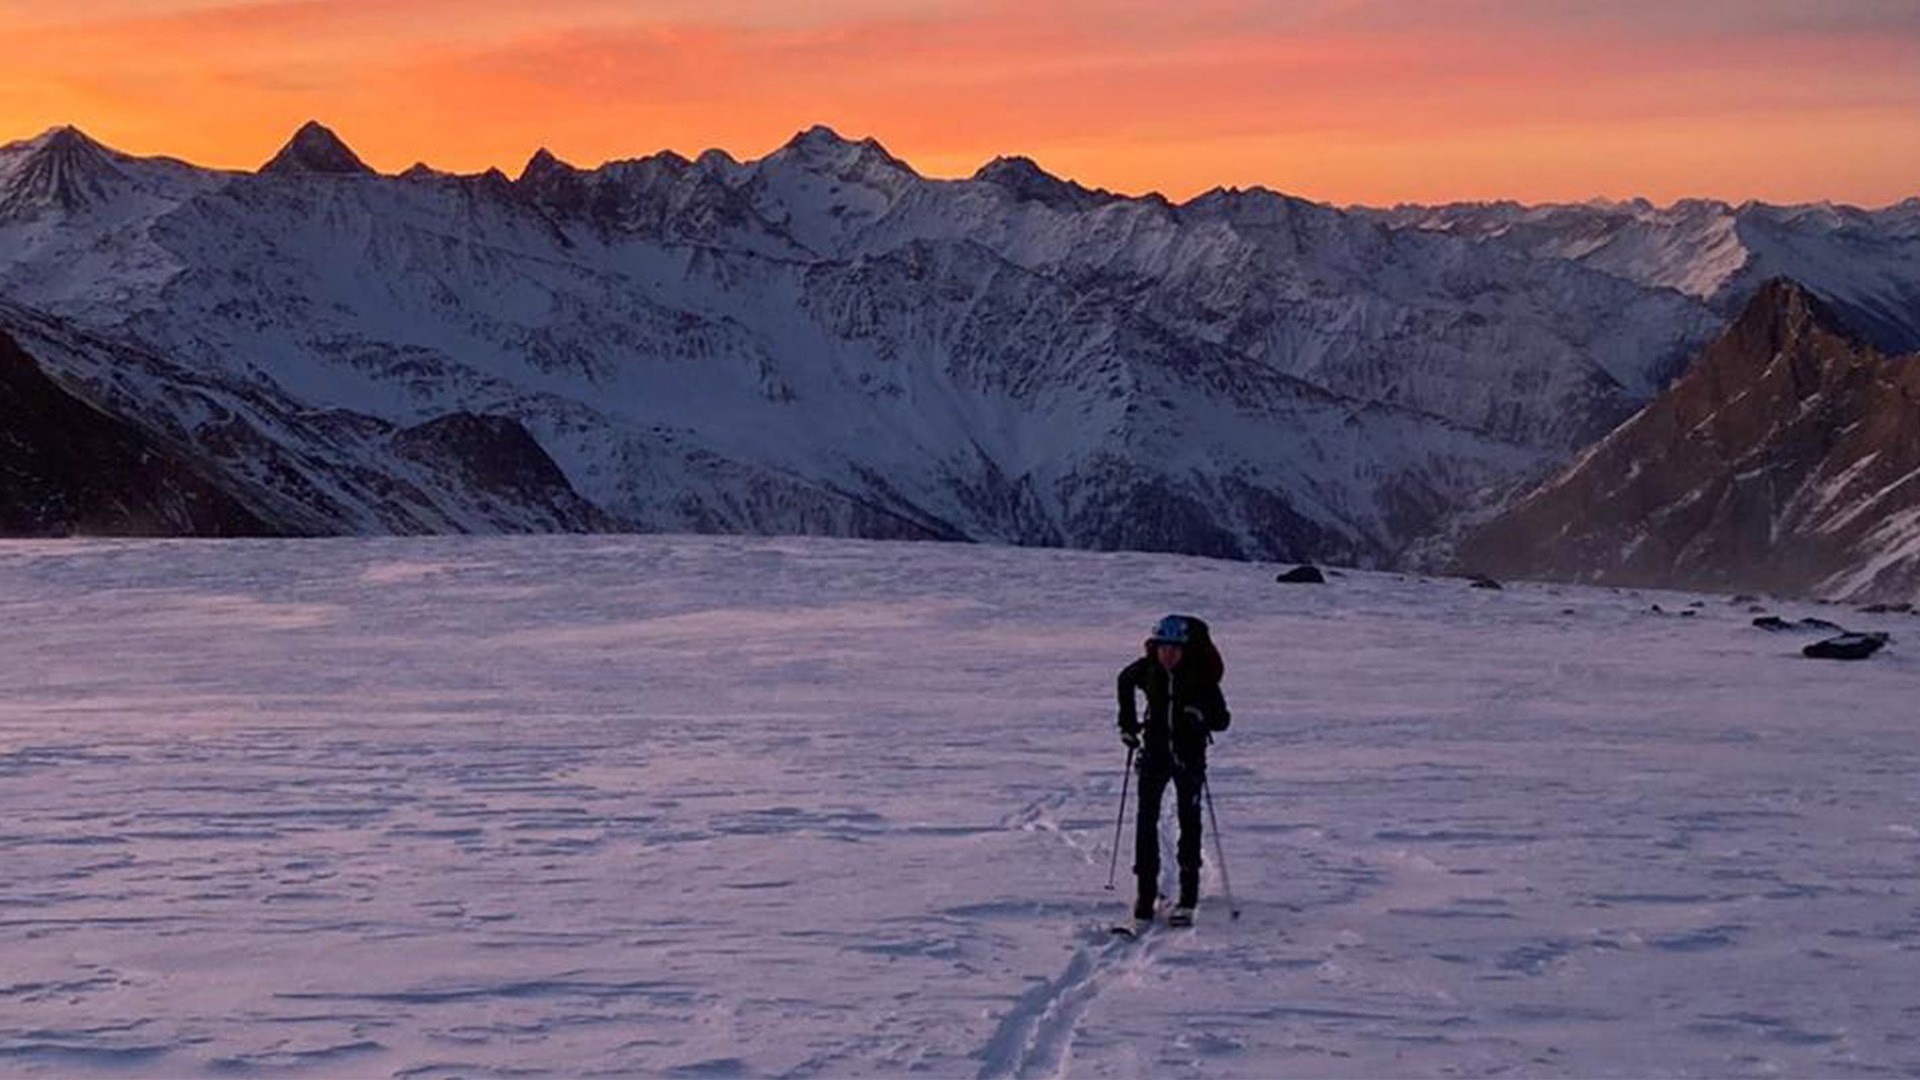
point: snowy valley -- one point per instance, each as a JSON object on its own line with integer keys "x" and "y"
{"x": 698, "y": 806}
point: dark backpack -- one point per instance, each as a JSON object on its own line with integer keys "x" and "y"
{"x": 1202, "y": 656}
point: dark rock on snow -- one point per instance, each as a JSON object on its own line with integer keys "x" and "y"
{"x": 1302, "y": 575}
{"x": 1776, "y": 623}
{"x": 1846, "y": 647}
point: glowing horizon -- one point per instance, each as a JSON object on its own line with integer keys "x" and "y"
{"x": 1343, "y": 101}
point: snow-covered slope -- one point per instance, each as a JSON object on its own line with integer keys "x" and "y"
{"x": 1866, "y": 263}
{"x": 300, "y": 470}
{"x": 740, "y": 807}
{"x": 823, "y": 341}
{"x": 1787, "y": 458}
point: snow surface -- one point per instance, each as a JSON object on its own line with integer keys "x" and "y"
{"x": 772, "y": 807}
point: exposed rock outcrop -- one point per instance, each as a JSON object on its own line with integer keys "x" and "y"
{"x": 502, "y": 463}
{"x": 1786, "y": 460}
{"x": 1846, "y": 647}
{"x": 68, "y": 467}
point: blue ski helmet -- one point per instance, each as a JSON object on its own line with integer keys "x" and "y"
{"x": 1171, "y": 630}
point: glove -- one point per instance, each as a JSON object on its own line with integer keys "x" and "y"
{"x": 1130, "y": 736}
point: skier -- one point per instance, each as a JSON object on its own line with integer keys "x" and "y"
{"x": 1180, "y": 674}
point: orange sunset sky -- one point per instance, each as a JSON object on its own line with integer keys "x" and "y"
{"x": 1348, "y": 101}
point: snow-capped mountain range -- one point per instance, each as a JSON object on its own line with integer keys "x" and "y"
{"x": 824, "y": 341}
{"x": 1863, "y": 263}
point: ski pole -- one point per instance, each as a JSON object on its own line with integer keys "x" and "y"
{"x": 1220, "y": 850}
{"x": 1121, "y": 817}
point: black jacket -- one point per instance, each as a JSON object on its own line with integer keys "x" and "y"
{"x": 1184, "y": 709}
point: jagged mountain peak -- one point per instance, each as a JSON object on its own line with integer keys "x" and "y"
{"x": 316, "y": 149}
{"x": 551, "y": 182}
{"x": 824, "y": 149}
{"x": 66, "y": 138}
{"x": 60, "y": 169}
{"x": 1025, "y": 179}
{"x": 717, "y": 162}
{"x": 816, "y": 138}
{"x": 1013, "y": 169}
{"x": 1782, "y": 313}
{"x": 659, "y": 163}
{"x": 544, "y": 166}
{"x": 1701, "y": 208}
{"x": 1244, "y": 199}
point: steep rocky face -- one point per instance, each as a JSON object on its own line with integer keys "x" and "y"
{"x": 68, "y": 468}
{"x": 501, "y": 463}
{"x": 1786, "y": 459}
{"x": 60, "y": 172}
{"x": 298, "y": 470}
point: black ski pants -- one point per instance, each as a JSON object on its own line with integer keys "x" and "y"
{"x": 1188, "y": 788}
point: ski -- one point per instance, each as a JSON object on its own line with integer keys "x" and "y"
{"x": 1133, "y": 926}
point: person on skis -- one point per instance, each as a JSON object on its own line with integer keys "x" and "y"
{"x": 1180, "y": 676}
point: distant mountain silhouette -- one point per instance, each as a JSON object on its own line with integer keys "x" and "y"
{"x": 316, "y": 149}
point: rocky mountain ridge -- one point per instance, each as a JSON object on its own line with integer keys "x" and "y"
{"x": 1865, "y": 264}
{"x": 1786, "y": 459}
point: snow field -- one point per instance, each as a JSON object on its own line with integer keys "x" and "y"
{"x": 725, "y": 806}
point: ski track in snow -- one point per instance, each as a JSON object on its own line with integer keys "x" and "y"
{"x": 714, "y": 807}
{"x": 1036, "y": 1038}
